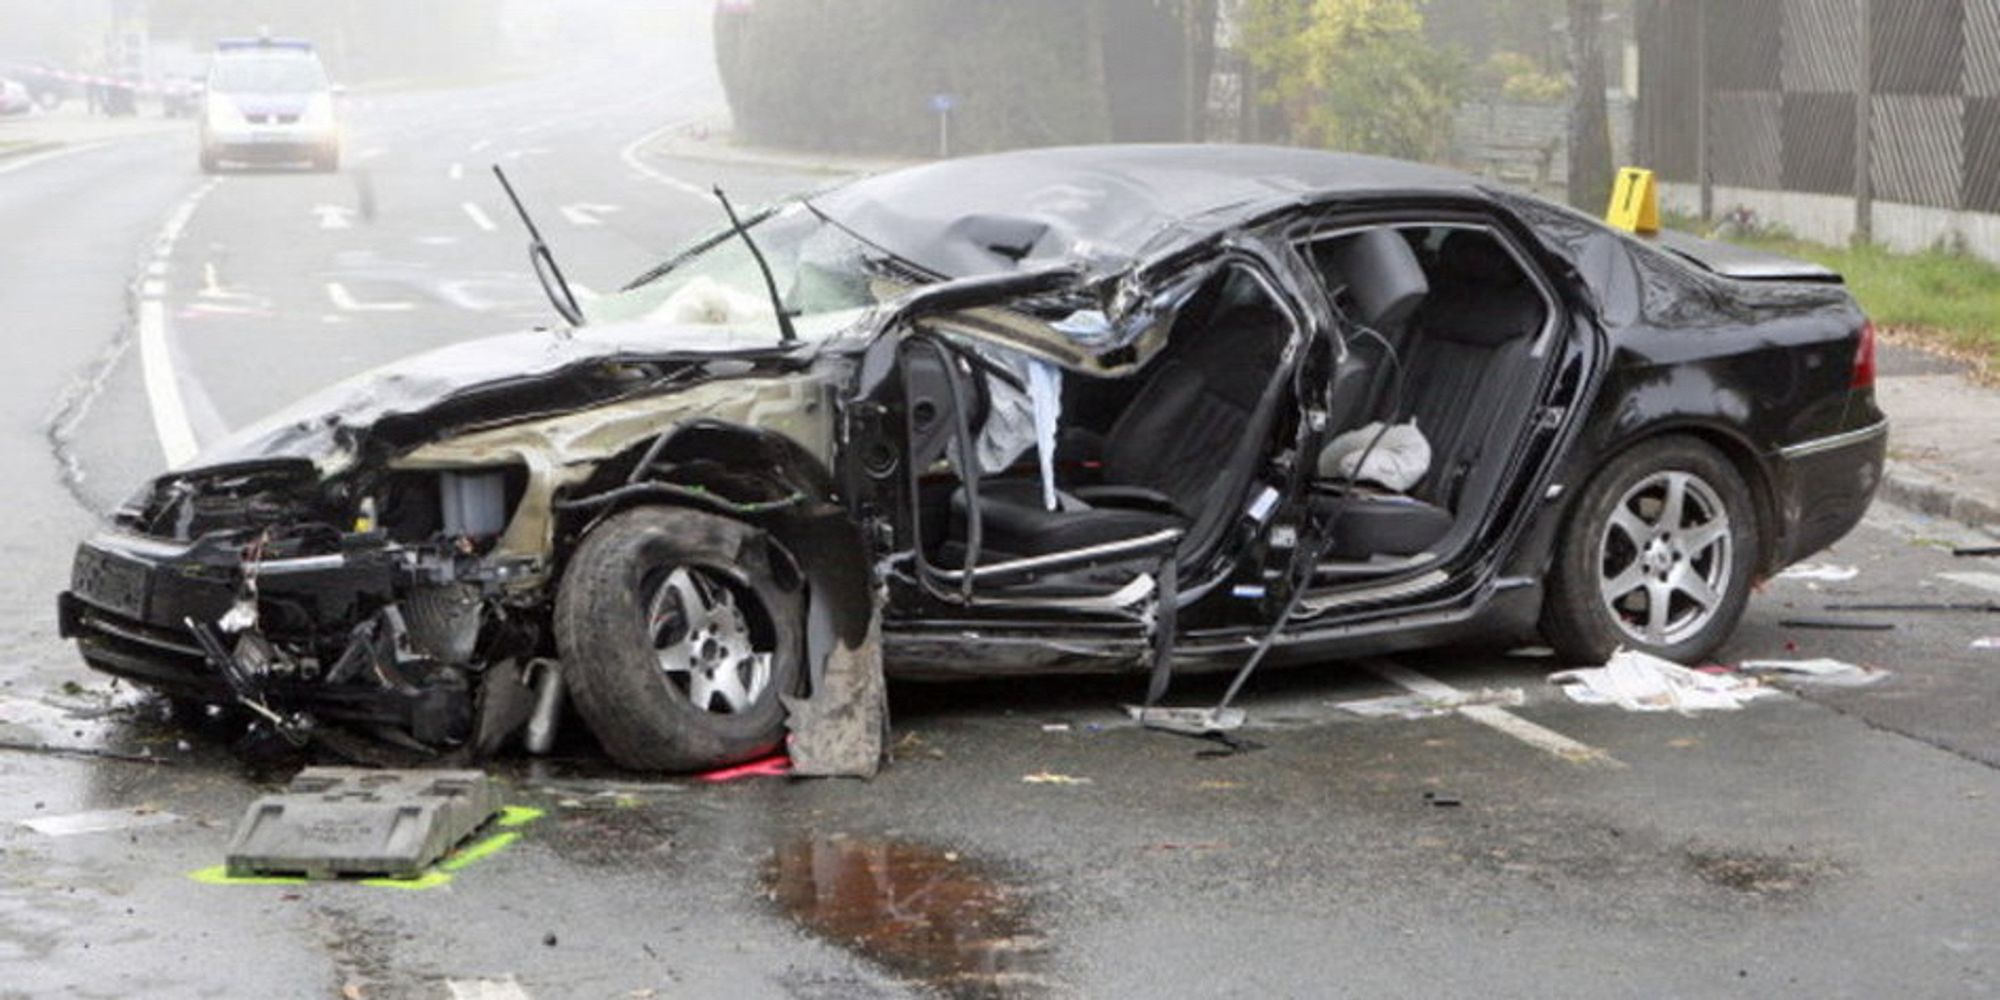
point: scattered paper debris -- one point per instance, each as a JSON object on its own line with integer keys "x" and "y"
{"x": 1055, "y": 727}
{"x": 1411, "y": 707}
{"x": 1531, "y": 653}
{"x": 98, "y": 821}
{"x": 1640, "y": 682}
{"x": 1050, "y": 778}
{"x": 1832, "y": 673}
{"x": 1820, "y": 572}
{"x": 1990, "y": 642}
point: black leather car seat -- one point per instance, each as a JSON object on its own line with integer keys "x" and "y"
{"x": 1472, "y": 338}
{"x": 1167, "y": 459}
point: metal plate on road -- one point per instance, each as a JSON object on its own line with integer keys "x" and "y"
{"x": 343, "y": 821}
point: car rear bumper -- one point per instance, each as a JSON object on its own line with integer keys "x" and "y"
{"x": 1826, "y": 485}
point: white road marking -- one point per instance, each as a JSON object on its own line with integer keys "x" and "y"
{"x": 373, "y": 153}
{"x": 334, "y": 216}
{"x": 171, "y": 425}
{"x": 1984, "y": 581}
{"x": 163, "y": 390}
{"x": 153, "y": 288}
{"x": 487, "y": 989}
{"x": 24, "y": 162}
{"x": 587, "y": 214}
{"x": 584, "y": 293}
{"x": 437, "y": 241}
{"x": 1495, "y": 717}
{"x": 632, "y": 159}
{"x": 157, "y": 269}
{"x": 479, "y": 217}
{"x": 480, "y": 146}
{"x": 457, "y": 172}
{"x": 345, "y": 301}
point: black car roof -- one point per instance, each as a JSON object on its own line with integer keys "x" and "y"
{"x": 1101, "y": 206}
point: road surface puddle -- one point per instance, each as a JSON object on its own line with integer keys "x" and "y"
{"x": 920, "y": 912}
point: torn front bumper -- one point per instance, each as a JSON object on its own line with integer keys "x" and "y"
{"x": 133, "y": 602}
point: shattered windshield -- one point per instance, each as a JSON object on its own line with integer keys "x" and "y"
{"x": 827, "y": 279}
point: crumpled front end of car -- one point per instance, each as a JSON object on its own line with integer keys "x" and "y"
{"x": 405, "y": 593}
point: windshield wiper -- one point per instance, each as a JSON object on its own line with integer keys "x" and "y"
{"x": 546, "y": 270}
{"x": 785, "y": 328}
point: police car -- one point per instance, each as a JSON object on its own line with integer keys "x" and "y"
{"x": 269, "y": 101}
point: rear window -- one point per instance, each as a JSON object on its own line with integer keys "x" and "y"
{"x": 290, "y": 73}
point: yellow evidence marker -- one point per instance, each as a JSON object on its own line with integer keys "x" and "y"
{"x": 1635, "y": 202}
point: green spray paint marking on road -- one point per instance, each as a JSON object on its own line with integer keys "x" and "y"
{"x": 510, "y": 820}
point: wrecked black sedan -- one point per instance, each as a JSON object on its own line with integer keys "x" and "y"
{"x": 1056, "y": 411}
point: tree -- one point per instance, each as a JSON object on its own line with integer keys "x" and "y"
{"x": 1359, "y": 75}
{"x": 1590, "y": 167}
{"x": 1198, "y": 22}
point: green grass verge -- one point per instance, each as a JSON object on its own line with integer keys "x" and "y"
{"x": 1945, "y": 298}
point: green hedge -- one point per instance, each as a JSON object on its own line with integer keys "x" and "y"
{"x": 859, "y": 75}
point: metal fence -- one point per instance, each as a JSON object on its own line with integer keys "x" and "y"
{"x": 1874, "y": 100}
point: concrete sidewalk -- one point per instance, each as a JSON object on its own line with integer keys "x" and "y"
{"x": 1944, "y": 445}
{"x": 1944, "y": 438}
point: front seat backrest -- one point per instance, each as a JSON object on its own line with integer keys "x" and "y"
{"x": 1183, "y": 428}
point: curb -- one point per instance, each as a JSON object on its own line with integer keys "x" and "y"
{"x": 1929, "y": 493}
{"x": 29, "y": 149}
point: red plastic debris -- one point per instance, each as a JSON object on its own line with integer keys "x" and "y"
{"x": 774, "y": 766}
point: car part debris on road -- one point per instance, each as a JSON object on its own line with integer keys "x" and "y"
{"x": 1839, "y": 624}
{"x": 1987, "y": 551}
{"x": 1830, "y": 673}
{"x": 1638, "y": 682}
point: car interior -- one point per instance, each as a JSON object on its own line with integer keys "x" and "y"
{"x": 1161, "y": 456}
{"x": 1446, "y": 330}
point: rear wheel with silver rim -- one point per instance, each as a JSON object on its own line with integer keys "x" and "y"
{"x": 677, "y": 637}
{"x": 1657, "y": 556}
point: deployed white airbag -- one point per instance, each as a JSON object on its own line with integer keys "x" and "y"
{"x": 1396, "y": 463}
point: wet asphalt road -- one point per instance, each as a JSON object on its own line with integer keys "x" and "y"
{"x": 1831, "y": 843}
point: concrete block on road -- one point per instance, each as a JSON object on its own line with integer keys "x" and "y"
{"x": 339, "y": 821}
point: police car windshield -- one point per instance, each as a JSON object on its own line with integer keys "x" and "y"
{"x": 267, "y": 74}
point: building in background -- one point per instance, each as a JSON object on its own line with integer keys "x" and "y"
{"x": 1836, "y": 119}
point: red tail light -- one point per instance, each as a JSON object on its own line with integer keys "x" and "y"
{"x": 1864, "y": 359}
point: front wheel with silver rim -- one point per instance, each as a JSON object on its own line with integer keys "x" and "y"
{"x": 1657, "y": 556}
{"x": 677, "y": 638}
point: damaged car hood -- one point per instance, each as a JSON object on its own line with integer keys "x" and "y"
{"x": 518, "y": 371}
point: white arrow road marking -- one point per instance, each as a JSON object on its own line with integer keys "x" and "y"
{"x": 1495, "y": 717}
{"x": 334, "y": 217}
{"x": 345, "y": 301}
{"x": 479, "y": 217}
{"x": 632, "y": 159}
{"x": 587, "y": 214}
